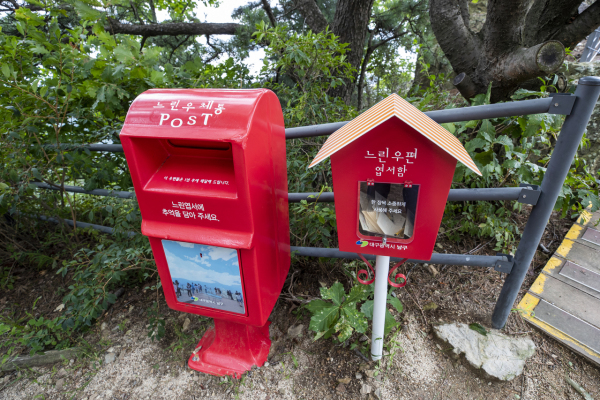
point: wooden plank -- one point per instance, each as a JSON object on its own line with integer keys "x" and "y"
{"x": 526, "y": 309}
{"x": 588, "y": 219}
{"x": 591, "y": 235}
{"x": 554, "y": 267}
{"x": 566, "y": 297}
{"x": 579, "y": 330}
{"x": 581, "y": 275}
{"x": 577, "y": 233}
{"x": 580, "y": 254}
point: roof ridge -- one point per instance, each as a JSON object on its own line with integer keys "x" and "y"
{"x": 395, "y": 106}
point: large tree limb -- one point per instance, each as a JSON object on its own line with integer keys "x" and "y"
{"x": 524, "y": 64}
{"x": 545, "y": 18}
{"x": 503, "y": 26}
{"x": 313, "y": 16}
{"x": 267, "y": 7}
{"x": 582, "y": 26}
{"x": 453, "y": 35}
{"x": 173, "y": 28}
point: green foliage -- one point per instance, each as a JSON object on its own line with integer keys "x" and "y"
{"x": 301, "y": 68}
{"x": 35, "y": 333}
{"x": 508, "y": 151}
{"x": 337, "y": 314}
{"x": 478, "y": 328}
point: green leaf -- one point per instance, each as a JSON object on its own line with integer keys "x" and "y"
{"x": 449, "y": 127}
{"x": 317, "y": 305}
{"x": 334, "y": 293}
{"x": 123, "y": 54}
{"x": 395, "y": 302}
{"x": 357, "y": 293}
{"x": 390, "y": 322}
{"x": 324, "y": 318}
{"x": 345, "y": 333}
{"x": 355, "y": 319}
{"x": 86, "y": 11}
{"x": 478, "y": 328}
{"x": 367, "y": 309}
{"x": 6, "y": 70}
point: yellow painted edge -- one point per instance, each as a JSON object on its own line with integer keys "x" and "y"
{"x": 538, "y": 285}
{"x": 574, "y": 232}
{"x": 565, "y": 247}
{"x": 552, "y": 264}
{"x": 527, "y": 307}
{"x": 584, "y": 217}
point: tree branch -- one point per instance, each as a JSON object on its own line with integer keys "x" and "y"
{"x": 582, "y": 26}
{"x": 267, "y": 7}
{"x": 545, "y": 18}
{"x": 173, "y": 28}
{"x": 503, "y": 26}
{"x": 456, "y": 40}
{"x": 314, "y": 17}
{"x": 525, "y": 64}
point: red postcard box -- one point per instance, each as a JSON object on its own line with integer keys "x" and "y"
{"x": 392, "y": 170}
{"x": 209, "y": 172}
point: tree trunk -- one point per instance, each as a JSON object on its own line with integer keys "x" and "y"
{"x": 350, "y": 23}
{"x": 519, "y": 41}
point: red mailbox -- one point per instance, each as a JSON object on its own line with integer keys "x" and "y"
{"x": 209, "y": 172}
{"x": 392, "y": 170}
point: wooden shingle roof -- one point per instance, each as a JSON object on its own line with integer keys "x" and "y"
{"x": 395, "y": 106}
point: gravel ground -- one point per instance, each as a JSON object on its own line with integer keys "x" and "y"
{"x": 416, "y": 367}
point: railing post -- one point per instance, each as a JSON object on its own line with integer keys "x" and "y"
{"x": 566, "y": 147}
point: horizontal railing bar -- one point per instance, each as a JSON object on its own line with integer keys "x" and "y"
{"x": 113, "y": 148}
{"x": 95, "y": 192}
{"x": 537, "y": 106}
{"x": 78, "y": 224}
{"x": 477, "y": 194}
{"x": 523, "y": 107}
{"x": 436, "y": 258}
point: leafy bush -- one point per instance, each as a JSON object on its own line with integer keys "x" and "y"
{"x": 340, "y": 315}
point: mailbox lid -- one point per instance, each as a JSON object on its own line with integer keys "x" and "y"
{"x": 218, "y": 114}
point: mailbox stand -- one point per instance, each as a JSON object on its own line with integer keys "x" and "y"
{"x": 209, "y": 171}
{"x": 382, "y": 268}
{"x": 392, "y": 170}
{"x": 230, "y": 348}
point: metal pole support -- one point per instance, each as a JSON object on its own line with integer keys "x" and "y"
{"x": 568, "y": 141}
{"x": 382, "y": 269}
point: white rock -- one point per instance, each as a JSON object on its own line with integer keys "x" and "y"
{"x": 109, "y": 357}
{"x": 295, "y": 331}
{"x": 186, "y": 325}
{"x": 365, "y": 389}
{"x": 500, "y": 356}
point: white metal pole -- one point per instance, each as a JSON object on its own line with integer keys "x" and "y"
{"x": 382, "y": 269}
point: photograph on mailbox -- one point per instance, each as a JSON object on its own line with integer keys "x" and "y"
{"x": 387, "y": 209}
{"x": 204, "y": 275}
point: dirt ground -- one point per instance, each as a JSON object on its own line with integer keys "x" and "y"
{"x": 415, "y": 366}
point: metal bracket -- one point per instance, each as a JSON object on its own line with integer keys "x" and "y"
{"x": 562, "y": 103}
{"x": 529, "y": 194}
{"x": 504, "y": 266}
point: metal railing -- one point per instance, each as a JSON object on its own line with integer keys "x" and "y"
{"x": 578, "y": 109}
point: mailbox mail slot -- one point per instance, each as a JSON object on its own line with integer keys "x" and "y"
{"x": 209, "y": 171}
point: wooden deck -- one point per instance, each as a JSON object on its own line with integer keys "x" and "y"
{"x": 564, "y": 301}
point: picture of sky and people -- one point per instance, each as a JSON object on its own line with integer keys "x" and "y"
{"x": 204, "y": 275}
